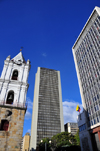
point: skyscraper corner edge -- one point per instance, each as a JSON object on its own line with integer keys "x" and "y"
{"x": 96, "y": 9}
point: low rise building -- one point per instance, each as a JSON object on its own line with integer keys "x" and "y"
{"x": 71, "y": 128}
{"x": 26, "y": 142}
{"x": 85, "y": 137}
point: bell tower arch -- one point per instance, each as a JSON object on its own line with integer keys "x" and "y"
{"x": 13, "y": 90}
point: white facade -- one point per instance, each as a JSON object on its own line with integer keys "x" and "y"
{"x": 33, "y": 139}
{"x": 71, "y": 128}
{"x": 18, "y": 86}
{"x": 86, "y": 52}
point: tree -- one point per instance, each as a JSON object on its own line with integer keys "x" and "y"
{"x": 61, "y": 139}
{"x": 77, "y": 138}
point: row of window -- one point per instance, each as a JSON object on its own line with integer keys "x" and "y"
{"x": 92, "y": 110}
{"x": 82, "y": 127}
{"x": 86, "y": 39}
{"x": 44, "y": 128}
{"x": 94, "y": 121}
{"x": 48, "y": 79}
{"x": 51, "y": 96}
{"x": 46, "y": 110}
{"x": 40, "y": 134}
{"x": 87, "y": 56}
{"x": 48, "y": 118}
{"x": 89, "y": 101}
{"x": 49, "y": 121}
{"x": 87, "y": 60}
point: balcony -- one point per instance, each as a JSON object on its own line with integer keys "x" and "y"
{"x": 14, "y": 105}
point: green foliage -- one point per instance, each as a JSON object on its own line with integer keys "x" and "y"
{"x": 77, "y": 138}
{"x": 61, "y": 139}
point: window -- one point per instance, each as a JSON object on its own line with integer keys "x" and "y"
{"x": 15, "y": 75}
{"x": 91, "y": 123}
{"x": 82, "y": 127}
{"x": 97, "y": 120}
{"x": 97, "y": 96}
{"x": 10, "y": 97}
{"x": 97, "y": 107}
{"x": 4, "y": 125}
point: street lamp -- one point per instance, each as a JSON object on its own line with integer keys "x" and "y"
{"x": 46, "y": 144}
{"x": 41, "y": 141}
{"x": 50, "y": 145}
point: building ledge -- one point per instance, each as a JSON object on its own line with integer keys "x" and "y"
{"x": 22, "y": 106}
{"x": 14, "y": 82}
{"x": 94, "y": 126}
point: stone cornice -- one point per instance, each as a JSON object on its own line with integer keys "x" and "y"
{"x": 13, "y": 107}
{"x": 14, "y": 82}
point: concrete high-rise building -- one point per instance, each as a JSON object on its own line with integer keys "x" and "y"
{"x": 71, "y": 128}
{"x": 13, "y": 90}
{"x": 26, "y": 142}
{"x": 47, "y": 117}
{"x": 86, "y": 52}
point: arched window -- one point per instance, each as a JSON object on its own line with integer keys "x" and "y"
{"x": 15, "y": 75}
{"x": 10, "y": 97}
{"x": 4, "y": 125}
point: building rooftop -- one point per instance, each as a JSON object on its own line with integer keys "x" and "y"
{"x": 86, "y": 24}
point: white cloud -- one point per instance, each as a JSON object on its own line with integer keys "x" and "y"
{"x": 29, "y": 109}
{"x": 29, "y": 130}
{"x": 44, "y": 54}
{"x": 28, "y": 115}
{"x": 69, "y": 111}
{"x": 30, "y": 103}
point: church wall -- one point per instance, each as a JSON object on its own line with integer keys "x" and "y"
{"x": 25, "y": 75}
{"x": 11, "y": 140}
{"x": 13, "y": 89}
{"x": 8, "y": 71}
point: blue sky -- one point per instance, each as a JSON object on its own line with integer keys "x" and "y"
{"x": 47, "y": 29}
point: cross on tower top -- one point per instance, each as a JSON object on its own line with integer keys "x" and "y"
{"x": 21, "y": 49}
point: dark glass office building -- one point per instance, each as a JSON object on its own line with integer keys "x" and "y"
{"x": 47, "y": 118}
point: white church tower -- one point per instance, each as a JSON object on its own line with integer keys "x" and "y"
{"x": 13, "y": 90}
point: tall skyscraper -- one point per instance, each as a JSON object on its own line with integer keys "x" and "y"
{"x": 47, "y": 117}
{"x": 86, "y": 52}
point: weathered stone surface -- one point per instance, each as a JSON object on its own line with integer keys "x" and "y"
{"x": 11, "y": 140}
